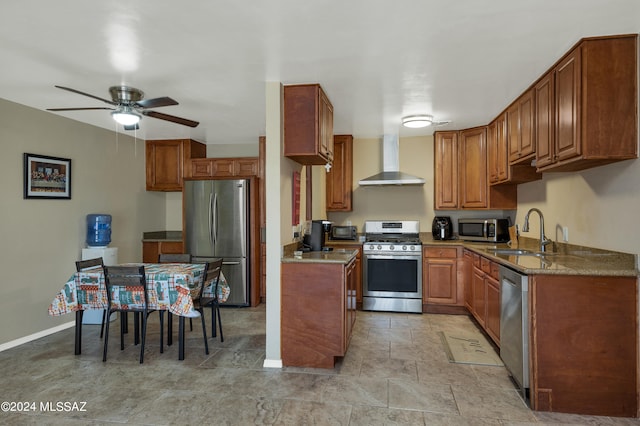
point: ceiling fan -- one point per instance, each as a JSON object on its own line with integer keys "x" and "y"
{"x": 129, "y": 106}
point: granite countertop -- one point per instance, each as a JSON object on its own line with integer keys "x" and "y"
{"x": 343, "y": 256}
{"x": 560, "y": 259}
{"x": 162, "y": 236}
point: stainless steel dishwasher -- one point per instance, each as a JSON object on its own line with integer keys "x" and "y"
{"x": 514, "y": 327}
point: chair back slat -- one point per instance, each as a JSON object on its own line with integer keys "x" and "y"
{"x": 81, "y": 265}
{"x": 130, "y": 277}
{"x": 174, "y": 258}
{"x": 212, "y": 276}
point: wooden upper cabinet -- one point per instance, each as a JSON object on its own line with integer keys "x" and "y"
{"x": 521, "y": 133}
{"x": 446, "y": 170}
{"x": 545, "y": 120}
{"x": 587, "y": 114}
{"x": 461, "y": 177}
{"x": 168, "y": 162}
{"x": 340, "y": 178}
{"x": 497, "y": 150}
{"x": 308, "y": 124}
{"x": 473, "y": 168}
{"x": 224, "y": 167}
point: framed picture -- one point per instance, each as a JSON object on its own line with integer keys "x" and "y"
{"x": 47, "y": 177}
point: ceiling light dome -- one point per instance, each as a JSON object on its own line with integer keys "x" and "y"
{"x": 417, "y": 121}
{"x": 126, "y": 116}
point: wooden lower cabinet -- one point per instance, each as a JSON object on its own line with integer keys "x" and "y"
{"x": 482, "y": 293}
{"x": 441, "y": 285}
{"x": 317, "y": 312}
{"x": 584, "y": 344}
{"x": 357, "y": 269}
{"x": 151, "y": 249}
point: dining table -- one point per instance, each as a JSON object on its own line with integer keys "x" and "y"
{"x": 171, "y": 287}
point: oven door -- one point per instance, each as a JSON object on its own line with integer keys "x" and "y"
{"x": 396, "y": 276}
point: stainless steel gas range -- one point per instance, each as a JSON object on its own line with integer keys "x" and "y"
{"x": 392, "y": 254}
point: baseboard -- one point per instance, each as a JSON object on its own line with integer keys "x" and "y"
{"x": 35, "y": 336}
{"x": 272, "y": 363}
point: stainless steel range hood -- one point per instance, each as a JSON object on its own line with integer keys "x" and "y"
{"x": 391, "y": 174}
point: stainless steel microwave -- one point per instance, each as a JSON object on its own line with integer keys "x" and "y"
{"x": 489, "y": 230}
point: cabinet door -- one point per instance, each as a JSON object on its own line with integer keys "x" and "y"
{"x": 339, "y": 179}
{"x": 567, "y": 77}
{"x": 446, "y": 170}
{"x": 473, "y": 168}
{"x": 202, "y": 167}
{"x": 479, "y": 297}
{"x": 545, "y": 120}
{"x": 468, "y": 279}
{"x": 492, "y": 152}
{"x": 492, "y": 324}
{"x": 521, "y": 128}
{"x": 441, "y": 281}
{"x": 527, "y": 127}
{"x": 326, "y": 125}
{"x": 164, "y": 165}
{"x": 245, "y": 167}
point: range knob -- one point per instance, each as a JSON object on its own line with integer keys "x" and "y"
{"x": 391, "y": 247}
{"x": 405, "y": 247}
{"x": 371, "y": 247}
{"x": 379, "y": 247}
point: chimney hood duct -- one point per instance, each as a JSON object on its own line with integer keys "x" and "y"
{"x": 391, "y": 174}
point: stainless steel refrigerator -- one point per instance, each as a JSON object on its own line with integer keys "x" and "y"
{"x": 217, "y": 225}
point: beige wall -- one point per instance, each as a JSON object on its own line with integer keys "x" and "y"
{"x": 41, "y": 239}
{"x": 599, "y": 206}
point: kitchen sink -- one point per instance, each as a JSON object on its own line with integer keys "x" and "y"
{"x": 514, "y": 252}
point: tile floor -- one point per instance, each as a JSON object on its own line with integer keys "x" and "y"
{"x": 395, "y": 373}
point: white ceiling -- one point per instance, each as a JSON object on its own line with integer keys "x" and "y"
{"x": 378, "y": 60}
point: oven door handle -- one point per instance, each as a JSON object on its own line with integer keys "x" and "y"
{"x": 402, "y": 256}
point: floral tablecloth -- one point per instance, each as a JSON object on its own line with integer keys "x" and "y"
{"x": 170, "y": 286}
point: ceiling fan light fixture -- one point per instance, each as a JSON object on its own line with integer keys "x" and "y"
{"x": 126, "y": 116}
{"x": 417, "y": 121}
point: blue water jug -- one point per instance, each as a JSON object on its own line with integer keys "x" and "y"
{"x": 98, "y": 230}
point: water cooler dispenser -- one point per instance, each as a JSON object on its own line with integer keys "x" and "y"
{"x": 98, "y": 238}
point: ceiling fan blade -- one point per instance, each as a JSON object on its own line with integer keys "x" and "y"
{"x": 156, "y": 102}
{"x": 132, "y": 127}
{"x": 171, "y": 118}
{"x": 76, "y": 109}
{"x": 87, "y": 94}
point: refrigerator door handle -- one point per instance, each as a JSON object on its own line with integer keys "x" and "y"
{"x": 210, "y": 217}
{"x": 215, "y": 218}
{"x": 231, "y": 263}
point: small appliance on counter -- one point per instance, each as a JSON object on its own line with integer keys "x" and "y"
{"x": 314, "y": 240}
{"x": 486, "y": 230}
{"x": 346, "y": 233}
{"x": 442, "y": 228}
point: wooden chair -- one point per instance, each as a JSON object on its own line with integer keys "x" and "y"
{"x": 133, "y": 299}
{"x": 174, "y": 258}
{"x": 82, "y": 265}
{"x": 211, "y": 278}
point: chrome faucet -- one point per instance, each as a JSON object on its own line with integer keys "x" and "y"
{"x": 544, "y": 241}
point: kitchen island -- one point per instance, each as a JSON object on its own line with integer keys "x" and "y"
{"x": 318, "y": 307}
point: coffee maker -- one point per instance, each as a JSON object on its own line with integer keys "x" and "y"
{"x": 314, "y": 239}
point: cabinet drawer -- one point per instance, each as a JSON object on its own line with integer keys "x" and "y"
{"x": 495, "y": 270}
{"x": 476, "y": 260}
{"x": 449, "y": 252}
{"x": 485, "y": 265}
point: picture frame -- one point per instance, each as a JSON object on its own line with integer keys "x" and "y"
{"x": 47, "y": 177}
